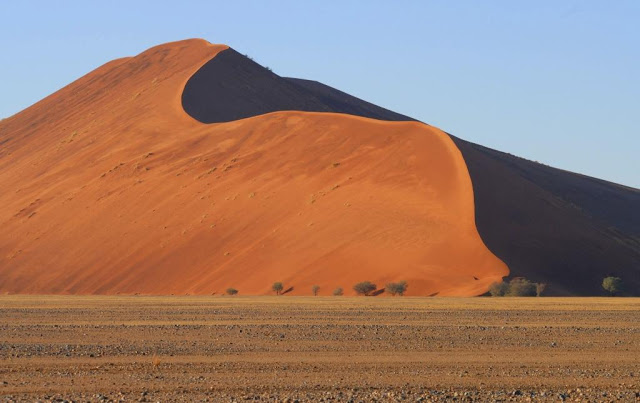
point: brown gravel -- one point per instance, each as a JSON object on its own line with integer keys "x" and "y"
{"x": 318, "y": 348}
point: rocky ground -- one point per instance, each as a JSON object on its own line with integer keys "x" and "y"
{"x": 318, "y": 349}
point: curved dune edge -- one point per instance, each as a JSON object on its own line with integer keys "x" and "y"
{"x": 231, "y": 86}
{"x": 113, "y": 189}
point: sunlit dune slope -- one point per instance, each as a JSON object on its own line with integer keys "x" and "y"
{"x": 552, "y": 226}
{"x": 110, "y": 187}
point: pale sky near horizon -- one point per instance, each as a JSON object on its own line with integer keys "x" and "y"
{"x": 555, "y": 81}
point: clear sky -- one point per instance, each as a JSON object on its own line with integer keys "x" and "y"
{"x": 554, "y": 81}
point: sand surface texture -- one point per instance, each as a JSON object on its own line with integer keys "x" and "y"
{"x": 110, "y": 187}
{"x": 312, "y": 348}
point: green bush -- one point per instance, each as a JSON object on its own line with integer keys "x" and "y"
{"x": 231, "y": 291}
{"x": 521, "y": 287}
{"x": 364, "y": 288}
{"x": 338, "y": 292}
{"x": 613, "y": 285}
{"x": 518, "y": 287}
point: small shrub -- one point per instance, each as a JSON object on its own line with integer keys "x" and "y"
{"x": 338, "y": 292}
{"x": 277, "y": 287}
{"x": 155, "y": 361}
{"x": 396, "y": 288}
{"x": 613, "y": 285}
{"x": 315, "y": 289}
{"x": 364, "y": 288}
{"x": 231, "y": 291}
{"x": 518, "y": 287}
{"x": 499, "y": 289}
{"x": 521, "y": 287}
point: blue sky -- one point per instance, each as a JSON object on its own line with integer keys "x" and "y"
{"x": 553, "y": 81}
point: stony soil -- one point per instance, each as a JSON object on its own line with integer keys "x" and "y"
{"x": 318, "y": 348}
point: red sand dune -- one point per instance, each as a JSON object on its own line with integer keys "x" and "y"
{"x": 108, "y": 186}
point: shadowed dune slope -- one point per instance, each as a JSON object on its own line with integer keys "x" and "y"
{"x": 231, "y": 86}
{"x": 344, "y": 103}
{"x": 110, "y": 187}
{"x": 554, "y": 226}
{"x": 549, "y": 225}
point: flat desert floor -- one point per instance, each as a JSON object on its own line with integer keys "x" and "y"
{"x": 318, "y": 348}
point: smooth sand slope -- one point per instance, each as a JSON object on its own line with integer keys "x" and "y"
{"x": 110, "y": 187}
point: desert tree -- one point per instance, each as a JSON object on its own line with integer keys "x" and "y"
{"x": 540, "y": 288}
{"x": 315, "y": 289}
{"x": 402, "y": 287}
{"x": 364, "y": 288}
{"x": 390, "y": 288}
{"x": 499, "y": 289}
{"x": 231, "y": 291}
{"x": 396, "y": 288}
{"x": 338, "y": 292}
{"x": 521, "y": 287}
{"x": 277, "y": 287}
{"x": 613, "y": 285}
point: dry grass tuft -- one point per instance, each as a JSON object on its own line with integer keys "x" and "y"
{"x": 155, "y": 361}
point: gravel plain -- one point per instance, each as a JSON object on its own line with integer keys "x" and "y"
{"x": 138, "y": 348}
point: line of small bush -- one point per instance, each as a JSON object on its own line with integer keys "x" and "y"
{"x": 517, "y": 287}
{"x": 521, "y": 287}
{"x": 366, "y": 288}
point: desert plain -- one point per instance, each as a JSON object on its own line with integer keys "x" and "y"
{"x": 289, "y": 348}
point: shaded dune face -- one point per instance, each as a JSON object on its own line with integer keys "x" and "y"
{"x": 231, "y": 86}
{"x": 111, "y": 187}
{"x": 554, "y": 226}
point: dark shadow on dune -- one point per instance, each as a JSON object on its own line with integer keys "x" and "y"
{"x": 231, "y": 86}
{"x": 377, "y": 292}
{"x": 553, "y": 226}
{"x": 288, "y": 290}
